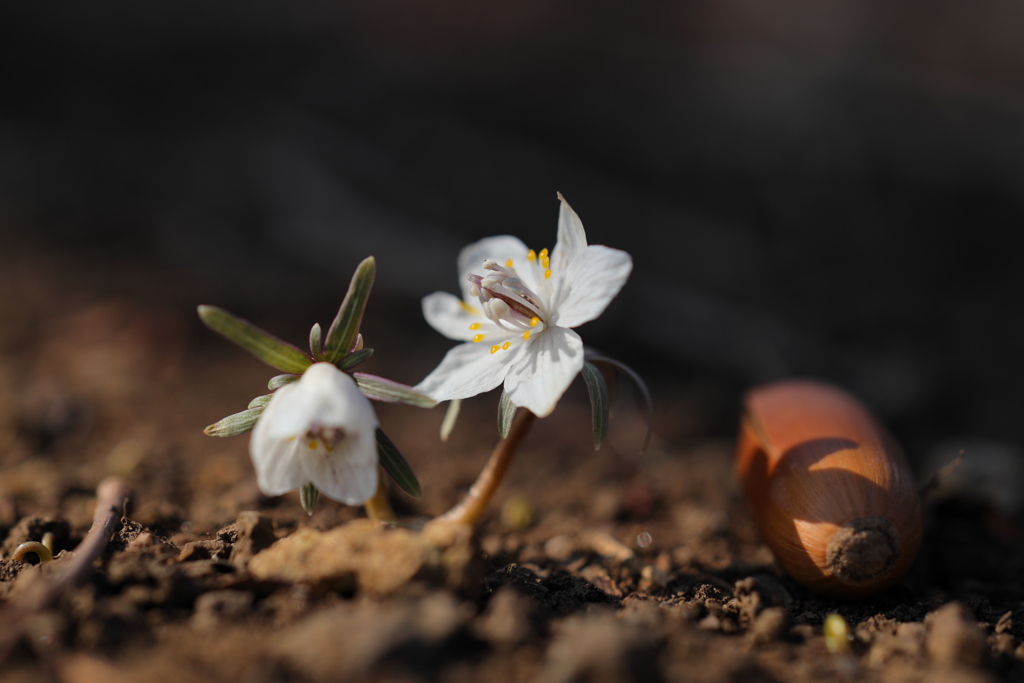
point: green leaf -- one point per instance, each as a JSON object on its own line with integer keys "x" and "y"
{"x": 380, "y": 389}
{"x": 342, "y": 334}
{"x": 265, "y": 346}
{"x": 625, "y": 369}
{"x": 236, "y": 424}
{"x": 260, "y": 401}
{"x": 353, "y": 359}
{"x": 278, "y": 381}
{"x": 308, "y": 496}
{"x": 315, "y": 348}
{"x": 598, "y": 390}
{"x": 450, "y": 417}
{"x": 396, "y": 466}
{"x": 506, "y": 411}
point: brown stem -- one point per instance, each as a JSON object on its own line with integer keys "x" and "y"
{"x": 469, "y": 510}
{"x": 379, "y": 507}
{"x": 111, "y": 496}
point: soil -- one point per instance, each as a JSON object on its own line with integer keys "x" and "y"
{"x": 589, "y": 566}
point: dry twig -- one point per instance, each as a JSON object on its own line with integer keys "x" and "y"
{"x": 44, "y": 591}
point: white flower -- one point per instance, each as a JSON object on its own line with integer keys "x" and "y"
{"x": 515, "y": 313}
{"x": 320, "y": 429}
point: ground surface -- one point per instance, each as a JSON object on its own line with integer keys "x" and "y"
{"x": 593, "y": 567}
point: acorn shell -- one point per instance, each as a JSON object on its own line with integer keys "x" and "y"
{"x": 829, "y": 489}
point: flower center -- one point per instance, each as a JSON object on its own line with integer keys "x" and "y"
{"x": 505, "y": 298}
{"x": 509, "y": 303}
{"x": 328, "y": 436}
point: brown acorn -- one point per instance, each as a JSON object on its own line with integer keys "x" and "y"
{"x": 829, "y": 489}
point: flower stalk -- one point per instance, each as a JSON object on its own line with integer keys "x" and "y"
{"x": 472, "y": 507}
{"x": 378, "y": 507}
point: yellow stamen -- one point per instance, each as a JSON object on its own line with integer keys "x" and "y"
{"x": 504, "y": 347}
{"x": 508, "y": 264}
{"x": 545, "y": 261}
{"x": 547, "y": 274}
{"x": 470, "y": 309}
{"x": 475, "y": 326}
{"x": 526, "y": 335}
{"x": 495, "y": 348}
{"x": 312, "y": 444}
{"x": 534, "y": 321}
{"x": 543, "y": 253}
{"x": 478, "y": 337}
{"x": 531, "y": 256}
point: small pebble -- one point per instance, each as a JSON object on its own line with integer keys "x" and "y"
{"x": 954, "y": 636}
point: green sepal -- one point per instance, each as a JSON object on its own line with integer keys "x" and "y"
{"x": 380, "y": 389}
{"x": 315, "y": 347}
{"x": 450, "y": 417}
{"x": 342, "y": 335}
{"x": 396, "y": 466}
{"x": 308, "y": 496}
{"x": 260, "y": 401}
{"x": 598, "y": 390}
{"x": 625, "y": 369}
{"x": 353, "y": 359}
{"x": 506, "y": 411}
{"x": 265, "y": 346}
{"x": 278, "y": 381}
{"x": 236, "y": 424}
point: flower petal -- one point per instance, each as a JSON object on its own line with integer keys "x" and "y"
{"x": 348, "y": 473}
{"x": 277, "y": 469}
{"x": 452, "y": 317}
{"x": 591, "y": 282}
{"x": 545, "y": 371}
{"x": 325, "y": 396}
{"x": 468, "y": 370}
{"x": 501, "y": 249}
{"x": 571, "y": 239}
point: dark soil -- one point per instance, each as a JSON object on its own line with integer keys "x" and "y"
{"x": 589, "y": 567}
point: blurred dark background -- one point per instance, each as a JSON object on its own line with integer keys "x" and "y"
{"x": 831, "y": 189}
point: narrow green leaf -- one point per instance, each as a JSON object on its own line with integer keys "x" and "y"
{"x": 353, "y": 359}
{"x": 260, "y": 401}
{"x": 236, "y": 424}
{"x": 506, "y": 411}
{"x": 315, "y": 347}
{"x": 625, "y": 369}
{"x": 450, "y": 417}
{"x": 598, "y": 390}
{"x": 342, "y": 334}
{"x": 265, "y": 346}
{"x": 308, "y": 496}
{"x": 380, "y": 389}
{"x": 278, "y": 381}
{"x": 396, "y": 466}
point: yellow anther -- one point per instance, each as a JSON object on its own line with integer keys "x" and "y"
{"x": 312, "y": 444}
{"x": 547, "y": 274}
{"x": 543, "y": 253}
{"x": 534, "y": 321}
{"x": 531, "y": 256}
{"x": 526, "y": 335}
{"x": 478, "y": 337}
{"x": 495, "y": 348}
{"x": 470, "y": 309}
{"x": 504, "y": 347}
{"x": 474, "y": 326}
{"x": 508, "y": 264}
